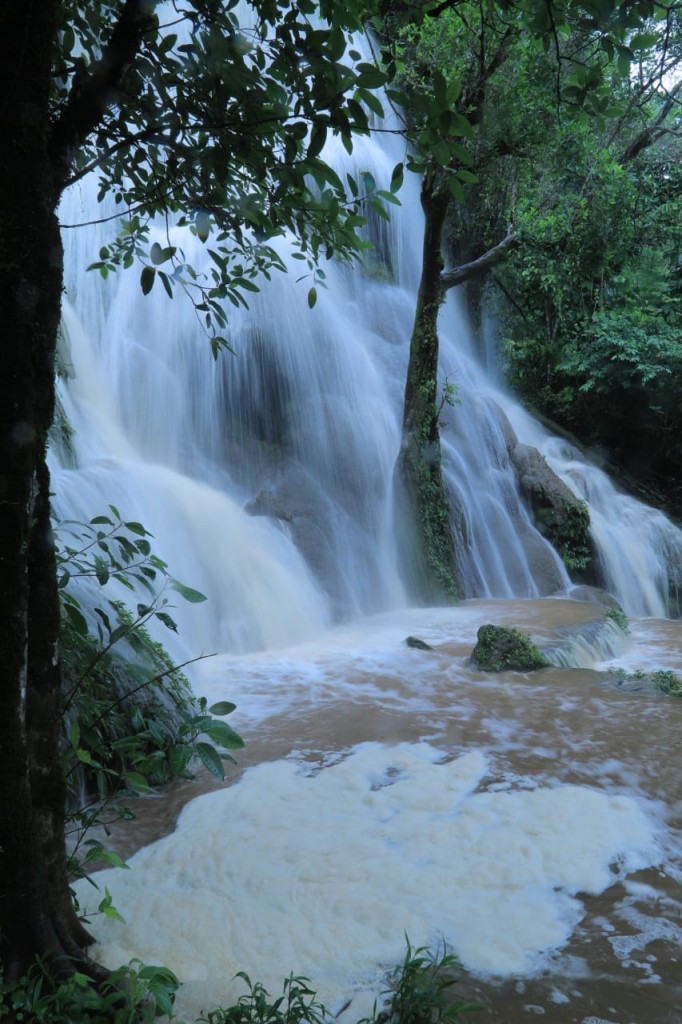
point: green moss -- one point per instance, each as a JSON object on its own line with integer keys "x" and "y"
{"x": 504, "y": 649}
{"x": 433, "y": 520}
{"x": 61, "y": 434}
{"x": 663, "y": 680}
{"x": 617, "y": 615}
{"x": 667, "y": 682}
{"x": 567, "y": 529}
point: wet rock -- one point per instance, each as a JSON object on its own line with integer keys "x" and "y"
{"x": 593, "y": 595}
{"x": 504, "y": 649}
{"x": 420, "y": 645}
{"x": 296, "y": 499}
{"x": 561, "y": 517}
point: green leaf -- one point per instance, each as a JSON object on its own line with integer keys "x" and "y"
{"x": 76, "y": 619}
{"x": 312, "y": 297}
{"x": 147, "y": 279}
{"x": 137, "y": 782}
{"x": 224, "y": 735}
{"x": 109, "y": 857}
{"x": 138, "y": 529}
{"x": 370, "y": 77}
{"x": 189, "y": 594}
{"x": 101, "y": 571}
{"x": 388, "y": 197}
{"x": 168, "y": 622}
{"x": 179, "y": 757}
{"x": 166, "y": 284}
{"x": 211, "y": 759}
{"x": 223, "y": 707}
{"x": 107, "y": 908}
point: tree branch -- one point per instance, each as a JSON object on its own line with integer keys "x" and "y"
{"x": 93, "y": 90}
{"x": 652, "y": 132}
{"x": 451, "y": 278}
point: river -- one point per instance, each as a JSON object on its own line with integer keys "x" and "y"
{"x": 529, "y": 820}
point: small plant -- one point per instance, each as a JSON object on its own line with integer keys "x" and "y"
{"x": 667, "y": 682}
{"x": 296, "y": 1005}
{"x": 449, "y": 397}
{"x": 420, "y": 989}
{"x": 618, "y": 616}
{"x": 136, "y": 994}
{"x": 664, "y": 680}
{"x": 131, "y": 721}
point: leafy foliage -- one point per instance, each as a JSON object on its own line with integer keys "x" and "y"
{"x": 136, "y": 994}
{"x": 420, "y": 989}
{"x": 667, "y": 682}
{"x": 617, "y": 615}
{"x": 591, "y": 296}
{"x": 131, "y": 720}
{"x": 419, "y": 993}
{"x": 296, "y": 1005}
{"x": 218, "y": 126}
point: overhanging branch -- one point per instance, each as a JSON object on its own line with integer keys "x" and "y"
{"x": 92, "y": 92}
{"x": 451, "y": 278}
{"x": 654, "y": 131}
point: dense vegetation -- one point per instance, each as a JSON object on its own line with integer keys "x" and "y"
{"x": 575, "y": 144}
{"x": 550, "y": 175}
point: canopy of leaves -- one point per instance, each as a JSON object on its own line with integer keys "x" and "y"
{"x": 214, "y": 115}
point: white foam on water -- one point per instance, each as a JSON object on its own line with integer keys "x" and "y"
{"x": 325, "y": 873}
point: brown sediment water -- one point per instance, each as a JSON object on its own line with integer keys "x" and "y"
{"x": 555, "y": 727}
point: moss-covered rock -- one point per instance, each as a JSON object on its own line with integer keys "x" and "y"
{"x": 504, "y": 649}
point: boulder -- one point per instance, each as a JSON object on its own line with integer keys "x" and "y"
{"x": 420, "y": 645}
{"x": 504, "y": 649}
{"x": 561, "y": 517}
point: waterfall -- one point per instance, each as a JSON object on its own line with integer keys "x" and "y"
{"x": 265, "y": 477}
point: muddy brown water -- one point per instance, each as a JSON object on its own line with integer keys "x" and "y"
{"x": 623, "y": 964}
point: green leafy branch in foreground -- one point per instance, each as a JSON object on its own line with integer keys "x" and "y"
{"x": 419, "y": 993}
{"x": 420, "y": 989}
{"x": 136, "y": 994}
{"x": 131, "y": 721}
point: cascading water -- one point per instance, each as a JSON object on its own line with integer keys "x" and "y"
{"x": 266, "y": 477}
{"x": 266, "y": 480}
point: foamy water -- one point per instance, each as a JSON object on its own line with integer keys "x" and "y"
{"x": 503, "y": 835}
{"x": 325, "y": 873}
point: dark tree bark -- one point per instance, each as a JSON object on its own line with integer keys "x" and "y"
{"x": 30, "y": 299}
{"x": 424, "y": 510}
{"x": 36, "y": 914}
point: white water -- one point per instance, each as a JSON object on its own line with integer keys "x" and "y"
{"x": 302, "y": 426}
{"x": 528, "y": 821}
{"x": 408, "y": 845}
{"x": 322, "y": 872}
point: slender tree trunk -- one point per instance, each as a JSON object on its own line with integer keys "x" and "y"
{"x": 424, "y": 510}
{"x": 33, "y": 885}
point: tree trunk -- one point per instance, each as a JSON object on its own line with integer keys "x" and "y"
{"x": 424, "y": 509}
{"x": 33, "y": 881}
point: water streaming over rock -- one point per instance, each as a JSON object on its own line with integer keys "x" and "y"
{"x": 266, "y": 477}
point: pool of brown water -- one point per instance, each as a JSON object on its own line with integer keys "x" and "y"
{"x": 556, "y": 726}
